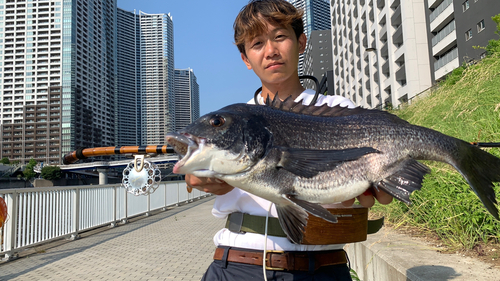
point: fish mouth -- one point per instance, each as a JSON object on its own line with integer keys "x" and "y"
{"x": 183, "y": 144}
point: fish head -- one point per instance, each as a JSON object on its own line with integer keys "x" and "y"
{"x": 224, "y": 142}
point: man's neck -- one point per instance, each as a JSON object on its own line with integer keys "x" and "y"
{"x": 283, "y": 90}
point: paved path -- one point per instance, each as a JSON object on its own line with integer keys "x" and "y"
{"x": 172, "y": 245}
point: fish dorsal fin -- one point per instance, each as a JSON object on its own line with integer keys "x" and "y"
{"x": 290, "y": 105}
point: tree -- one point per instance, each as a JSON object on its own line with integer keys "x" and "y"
{"x": 51, "y": 172}
{"x": 5, "y": 161}
{"x": 28, "y": 171}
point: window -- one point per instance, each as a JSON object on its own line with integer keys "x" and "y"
{"x": 480, "y": 26}
{"x": 468, "y": 35}
{"x": 465, "y": 5}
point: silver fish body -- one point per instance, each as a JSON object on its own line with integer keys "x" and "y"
{"x": 301, "y": 156}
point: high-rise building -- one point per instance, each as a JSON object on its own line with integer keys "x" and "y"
{"x": 456, "y": 28}
{"x": 128, "y": 101}
{"x": 381, "y": 51}
{"x": 157, "y": 77}
{"x": 318, "y": 57}
{"x": 316, "y": 17}
{"x": 145, "y": 97}
{"x": 58, "y": 77}
{"x": 187, "y": 98}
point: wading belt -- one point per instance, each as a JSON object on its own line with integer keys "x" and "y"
{"x": 352, "y": 226}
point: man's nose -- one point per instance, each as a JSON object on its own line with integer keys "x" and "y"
{"x": 271, "y": 49}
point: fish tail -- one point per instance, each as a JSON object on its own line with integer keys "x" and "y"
{"x": 481, "y": 170}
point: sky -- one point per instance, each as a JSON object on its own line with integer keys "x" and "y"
{"x": 203, "y": 41}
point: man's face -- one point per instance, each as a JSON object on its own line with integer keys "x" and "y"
{"x": 274, "y": 55}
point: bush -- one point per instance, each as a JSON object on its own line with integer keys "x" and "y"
{"x": 5, "y": 161}
{"x": 466, "y": 107}
{"x": 51, "y": 173}
{"x": 28, "y": 171}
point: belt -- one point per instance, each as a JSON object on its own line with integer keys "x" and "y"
{"x": 353, "y": 226}
{"x": 280, "y": 260}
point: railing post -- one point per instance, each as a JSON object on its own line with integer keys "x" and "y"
{"x": 115, "y": 194}
{"x": 178, "y": 198}
{"x": 12, "y": 201}
{"x": 149, "y": 205}
{"x": 125, "y": 204}
{"x": 76, "y": 215}
{"x": 165, "y": 198}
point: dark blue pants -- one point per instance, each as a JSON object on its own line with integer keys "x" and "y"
{"x": 230, "y": 271}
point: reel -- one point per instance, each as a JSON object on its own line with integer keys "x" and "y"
{"x": 141, "y": 177}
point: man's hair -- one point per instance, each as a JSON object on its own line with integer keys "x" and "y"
{"x": 251, "y": 21}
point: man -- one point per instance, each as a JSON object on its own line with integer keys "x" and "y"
{"x": 269, "y": 35}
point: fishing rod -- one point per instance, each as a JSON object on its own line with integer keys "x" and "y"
{"x": 84, "y": 153}
{"x": 140, "y": 177}
{"x": 486, "y": 144}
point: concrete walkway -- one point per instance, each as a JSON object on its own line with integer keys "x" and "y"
{"x": 172, "y": 245}
{"x": 177, "y": 245}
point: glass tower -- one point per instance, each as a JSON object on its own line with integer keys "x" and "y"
{"x": 145, "y": 111}
{"x": 187, "y": 98}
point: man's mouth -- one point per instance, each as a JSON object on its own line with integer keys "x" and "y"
{"x": 273, "y": 65}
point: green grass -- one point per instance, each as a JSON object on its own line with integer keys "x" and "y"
{"x": 466, "y": 106}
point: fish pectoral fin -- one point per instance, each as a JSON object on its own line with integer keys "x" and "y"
{"x": 293, "y": 220}
{"x": 405, "y": 180}
{"x": 309, "y": 162}
{"x": 312, "y": 208}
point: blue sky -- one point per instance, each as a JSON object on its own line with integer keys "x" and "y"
{"x": 203, "y": 41}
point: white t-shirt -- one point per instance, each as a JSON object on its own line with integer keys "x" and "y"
{"x": 238, "y": 200}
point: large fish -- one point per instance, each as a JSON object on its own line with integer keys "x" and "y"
{"x": 300, "y": 156}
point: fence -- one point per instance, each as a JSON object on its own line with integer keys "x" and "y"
{"x": 39, "y": 215}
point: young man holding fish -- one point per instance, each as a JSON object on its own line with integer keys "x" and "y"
{"x": 269, "y": 35}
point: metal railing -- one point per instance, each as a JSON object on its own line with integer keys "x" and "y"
{"x": 39, "y": 215}
{"x": 439, "y": 9}
{"x": 448, "y": 57}
{"x": 443, "y": 33}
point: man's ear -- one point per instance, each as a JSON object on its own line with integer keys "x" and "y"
{"x": 302, "y": 43}
{"x": 246, "y": 61}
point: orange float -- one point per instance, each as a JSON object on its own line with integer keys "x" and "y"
{"x": 3, "y": 211}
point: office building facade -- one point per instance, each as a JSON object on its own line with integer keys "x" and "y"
{"x": 58, "y": 77}
{"x": 187, "y": 98}
{"x": 316, "y": 17}
{"x": 128, "y": 97}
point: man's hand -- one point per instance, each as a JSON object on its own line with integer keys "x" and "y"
{"x": 211, "y": 185}
{"x": 367, "y": 199}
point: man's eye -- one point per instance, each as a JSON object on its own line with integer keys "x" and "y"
{"x": 256, "y": 44}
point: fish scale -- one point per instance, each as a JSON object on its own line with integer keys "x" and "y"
{"x": 328, "y": 155}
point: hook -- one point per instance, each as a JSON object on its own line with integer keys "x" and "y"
{"x": 141, "y": 165}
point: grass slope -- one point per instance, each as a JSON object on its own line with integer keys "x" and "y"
{"x": 466, "y": 106}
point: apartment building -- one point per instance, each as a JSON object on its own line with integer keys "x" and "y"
{"x": 381, "y": 55}
{"x": 187, "y": 98}
{"x": 157, "y": 77}
{"x": 58, "y": 77}
{"x": 458, "y": 30}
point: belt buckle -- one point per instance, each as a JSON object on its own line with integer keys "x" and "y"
{"x": 266, "y": 259}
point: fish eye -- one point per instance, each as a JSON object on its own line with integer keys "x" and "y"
{"x": 217, "y": 121}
